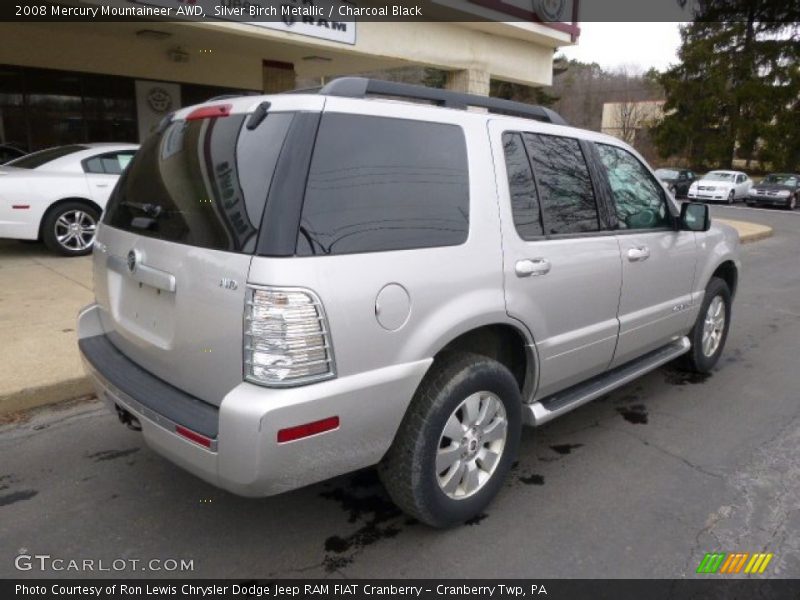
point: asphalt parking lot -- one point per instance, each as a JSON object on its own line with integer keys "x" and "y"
{"x": 640, "y": 483}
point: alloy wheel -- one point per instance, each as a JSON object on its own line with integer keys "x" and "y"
{"x": 714, "y": 326}
{"x": 75, "y": 230}
{"x": 471, "y": 445}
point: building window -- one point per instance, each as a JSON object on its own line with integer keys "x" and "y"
{"x": 41, "y": 108}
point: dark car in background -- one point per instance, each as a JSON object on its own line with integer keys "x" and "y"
{"x": 776, "y": 189}
{"x": 677, "y": 180}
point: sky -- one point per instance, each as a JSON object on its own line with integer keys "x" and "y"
{"x": 615, "y": 44}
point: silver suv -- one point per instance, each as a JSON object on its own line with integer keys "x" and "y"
{"x": 296, "y": 286}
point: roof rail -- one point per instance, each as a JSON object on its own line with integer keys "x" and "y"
{"x": 361, "y": 87}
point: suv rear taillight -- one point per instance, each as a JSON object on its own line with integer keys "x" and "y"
{"x": 286, "y": 338}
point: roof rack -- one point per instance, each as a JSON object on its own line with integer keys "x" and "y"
{"x": 361, "y": 87}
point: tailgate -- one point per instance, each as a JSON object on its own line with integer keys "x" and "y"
{"x": 173, "y": 252}
{"x": 170, "y": 315}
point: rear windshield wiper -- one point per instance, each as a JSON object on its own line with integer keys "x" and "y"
{"x": 151, "y": 210}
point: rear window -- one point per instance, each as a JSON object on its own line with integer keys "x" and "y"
{"x": 203, "y": 183}
{"x": 379, "y": 184}
{"x": 42, "y": 157}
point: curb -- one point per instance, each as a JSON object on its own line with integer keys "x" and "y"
{"x": 42, "y": 395}
{"x": 749, "y": 232}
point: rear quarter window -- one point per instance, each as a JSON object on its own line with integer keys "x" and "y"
{"x": 377, "y": 184}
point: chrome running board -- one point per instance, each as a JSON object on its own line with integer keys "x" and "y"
{"x": 562, "y": 402}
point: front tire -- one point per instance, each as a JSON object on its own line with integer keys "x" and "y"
{"x": 732, "y": 197}
{"x": 457, "y": 442}
{"x": 710, "y": 331}
{"x": 791, "y": 204}
{"x": 69, "y": 228}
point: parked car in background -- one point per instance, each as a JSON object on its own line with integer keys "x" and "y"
{"x": 677, "y": 180}
{"x": 57, "y": 195}
{"x": 10, "y": 152}
{"x": 292, "y": 287}
{"x": 723, "y": 186}
{"x": 776, "y": 189}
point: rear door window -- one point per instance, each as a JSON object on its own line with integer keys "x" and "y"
{"x": 378, "y": 184}
{"x": 202, "y": 182}
{"x": 564, "y": 185}
{"x": 522, "y": 188}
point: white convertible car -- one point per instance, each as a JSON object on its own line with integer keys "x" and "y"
{"x": 723, "y": 186}
{"x": 57, "y": 195}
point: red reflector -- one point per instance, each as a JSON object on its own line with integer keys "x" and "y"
{"x": 301, "y": 431}
{"x": 209, "y": 112}
{"x": 21, "y": 206}
{"x": 193, "y": 435}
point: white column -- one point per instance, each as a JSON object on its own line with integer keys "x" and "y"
{"x": 470, "y": 81}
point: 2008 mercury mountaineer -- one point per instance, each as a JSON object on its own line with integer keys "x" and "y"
{"x": 296, "y": 286}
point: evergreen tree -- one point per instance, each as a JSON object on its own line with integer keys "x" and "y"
{"x": 736, "y": 86}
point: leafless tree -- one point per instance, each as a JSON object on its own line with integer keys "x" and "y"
{"x": 630, "y": 116}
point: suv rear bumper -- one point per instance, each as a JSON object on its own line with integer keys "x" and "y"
{"x": 245, "y": 456}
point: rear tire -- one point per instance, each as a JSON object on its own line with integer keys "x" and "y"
{"x": 69, "y": 228}
{"x": 429, "y": 472}
{"x": 710, "y": 331}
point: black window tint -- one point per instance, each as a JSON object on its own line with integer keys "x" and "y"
{"x": 638, "y": 198}
{"x": 565, "y": 188}
{"x": 202, "y": 182}
{"x": 378, "y": 184}
{"x": 42, "y": 157}
{"x": 521, "y": 188}
{"x": 8, "y": 153}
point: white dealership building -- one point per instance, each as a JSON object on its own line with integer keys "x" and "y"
{"x": 91, "y": 81}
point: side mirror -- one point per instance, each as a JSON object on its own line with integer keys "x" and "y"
{"x": 695, "y": 217}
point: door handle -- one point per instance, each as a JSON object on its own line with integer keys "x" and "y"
{"x": 638, "y": 254}
{"x": 101, "y": 184}
{"x": 532, "y": 267}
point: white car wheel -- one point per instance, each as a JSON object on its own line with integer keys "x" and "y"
{"x": 69, "y": 229}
